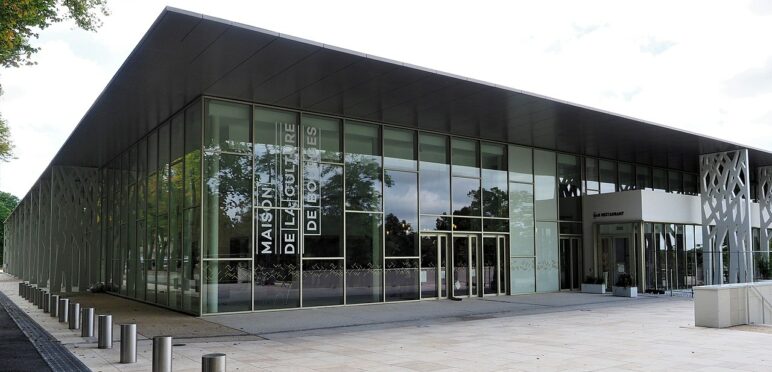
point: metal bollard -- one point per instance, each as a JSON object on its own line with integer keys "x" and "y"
{"x": 23, "y": 292}
{"x": 128, "y": 343}
{"x": 105, "y": 332}
{"x": 162, "y": 354}
{"x": 54, "y": 305}
{"x": 42, "y": 299}
{"x": 21, "y": 288}
{"x": 213, "y": 362}
{"x": 46, "y": 302}
{"x": 87, "y": 322}
{"x": 64, "y": 307}
{"x": 74, "y": 316}
{"x": 34, "y": 297}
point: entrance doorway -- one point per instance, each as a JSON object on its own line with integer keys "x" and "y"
{"x": 617, "y": 257}
{"x": 570, "y": 264}
{"x": 458, "y": 265}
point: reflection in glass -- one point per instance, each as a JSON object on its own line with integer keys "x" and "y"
{"x": 489, "y": 264}
{"x": 228, "y": 206}
{"x": 364, "y": 258}
{"x": 521, "y": 233}
{"x": 227, "y": 286}
{"x": 402, "y": 277}
{"x": 461, "y": 265}
{"x": 675, "y": 182}
{"x": 323, "y": 210}
{"x": 321, "y": 137}
{"x": 401, "y": 214}
{"x": 659, "y": 179}
{"x": 466, "y": 196}
{"x": 520, "y": 162}
{"x": 227, "y": 127}
{"x": 608, "y": 176}
{"x": 643, "y": 177}
{"x": 545, "y": 190}
{"x": 277, "y": 259}
{"x": 592, "y": 176}
{"x": 439, "y": 223}
{"x": 435, "y": 175}
{"x": 363, "y": 167}
{"x": 429, "y": 266}
{"x": 467, "y": 224}
{"x": 464, "y": 156}
{"x": 494, "y": 187}
{"x": 569, "y": 188}
{"x": 626, "y": 177}
{"x": 322, "y": 282}
{"x": 399, "y": 150}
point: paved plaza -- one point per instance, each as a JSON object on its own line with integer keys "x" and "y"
{"x": 559, "y": 331}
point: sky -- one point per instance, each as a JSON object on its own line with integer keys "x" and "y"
{"x": 701, "y": 66}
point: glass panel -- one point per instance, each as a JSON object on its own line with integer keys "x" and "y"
{"x": 467, "y": 224}
{"x": 277, "y": 265}
{"x": 690, "y": 184}
{"x": 466, "y": 196}
{"x": 523, "y": 275}
{"x": 592, "y": 175}
{"x": 322, "y": 282}
{"x": 546, "y": 257}
{"x": 276, "y": 158}
{"x": 151, "y": 230}
{"x": 228, "y": 206}
{"x": 435, "y": 175}
{"x": 461, "y": 264}
{"x": 429, "y": 266}
{"x": 643, "y": 177}
{"x": 659, "y": 179}
{"x": 162, "y": 259}
{"x": 402, "y": 278}
{"x": 322, "y": 210}
{"x": 489, "y": 264}
{"x": 191, "y": 249}
{"x": 569, "y": 187}
{"x": 545, "y": 194}
{"x": 438, "y": 223}
{"x": 363, "y": 167}
{"x": 495, "y": 225}
{"x": 399, "y": 150}
{"x": 650, "y": 255}
{"x": 608, "y": 176}
{"x": 521, "y": 233}
{"x": 227, "y": 286}
{"x": 227, "y": 127}
{"x": 364, "y": 258}
{"x": 321, "y": 139}
{"x": 675, "y": 182}
{"x": 464, "y": 156}
{"x": 520, "y": 161}
{"x": 191, "y": 285}
{"x": 626, "y": 177}
{"x": 175, "y": 235}
{"x": 401, "y": 207}
{"x": 494, "y": 181}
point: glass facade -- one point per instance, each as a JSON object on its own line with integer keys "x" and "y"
{"x": 230, "y": 207}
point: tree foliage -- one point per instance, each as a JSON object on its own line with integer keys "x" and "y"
{"x": 6, "y": 146}
{"x": 7, "y": 203}
{"x": 21, "y": 20}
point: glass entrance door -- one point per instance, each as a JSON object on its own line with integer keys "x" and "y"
{"x": 434, "y": 265}
{"x": 616, "y": 257}
{"x": 494, "y": 259}
{"x": 464, "y": 259}
{"x": 570, "y": 263}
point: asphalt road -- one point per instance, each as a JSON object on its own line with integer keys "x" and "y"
{"x": 16, "y": 351}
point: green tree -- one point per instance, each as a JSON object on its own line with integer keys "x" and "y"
{"x": 21, "y": 20}
{"x": 7, "y": 203}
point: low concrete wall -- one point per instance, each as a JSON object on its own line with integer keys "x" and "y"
{"x": 720, "y": 306}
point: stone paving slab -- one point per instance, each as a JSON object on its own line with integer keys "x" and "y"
{"x": 593, "y": 333}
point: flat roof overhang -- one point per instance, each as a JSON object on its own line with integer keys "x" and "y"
{"x": 185, "y": 55}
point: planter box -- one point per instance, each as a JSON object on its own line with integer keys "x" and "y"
{"x": 625, "y": 291}
{"x": 594, "y": 288}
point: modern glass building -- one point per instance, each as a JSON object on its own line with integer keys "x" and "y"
{"x": 231, "y": 169}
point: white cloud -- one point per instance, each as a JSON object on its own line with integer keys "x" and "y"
{"x": 668, "y": 62}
